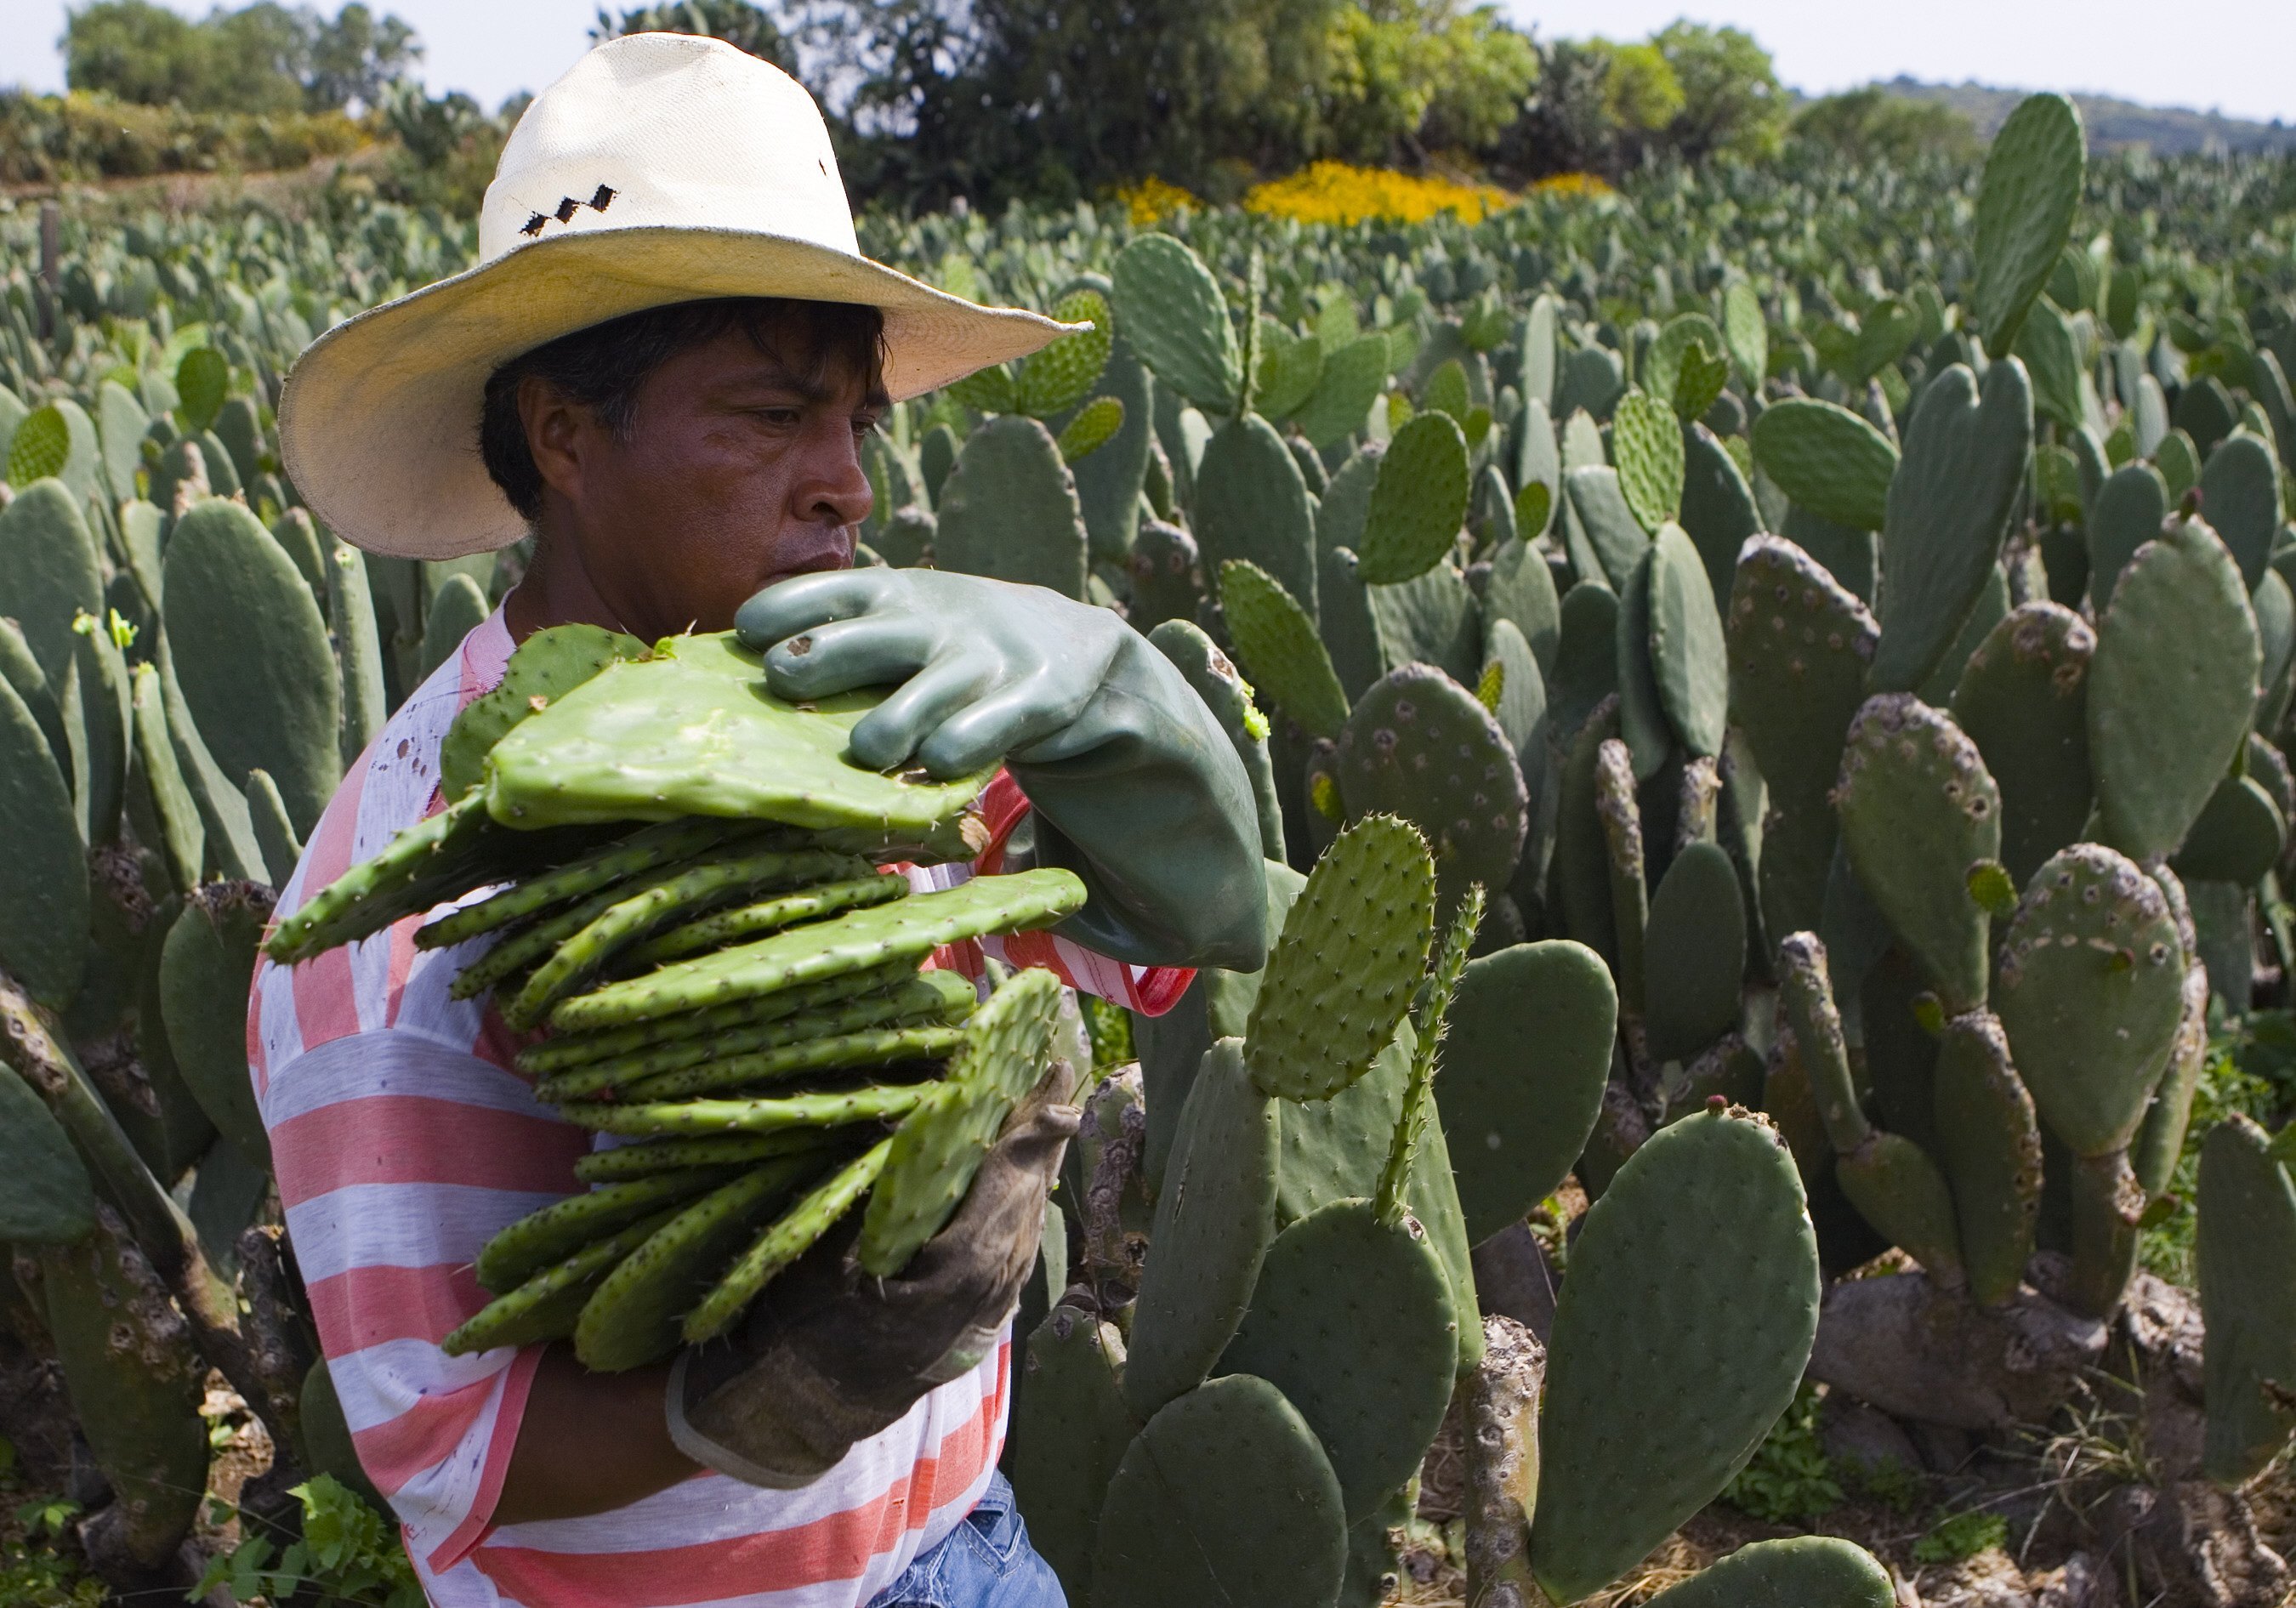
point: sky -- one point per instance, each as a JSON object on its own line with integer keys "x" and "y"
{"x": 2229, "y": 56}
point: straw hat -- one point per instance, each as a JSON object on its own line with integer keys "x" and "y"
{"x": 663, "y": 168}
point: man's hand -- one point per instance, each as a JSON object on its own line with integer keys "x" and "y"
{"x": 830, "y": 1355}
{"x": 1136, "y": 788}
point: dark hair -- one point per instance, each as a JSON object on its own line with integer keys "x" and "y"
{"x": 601, "y": 367}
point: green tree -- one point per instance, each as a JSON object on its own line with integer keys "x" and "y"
{"x": 741, "y": 25}
{"x": 263, "y": 58}
{"x": 1400, "y": 76}
{"x": 1731, "y": 100}
{"x": 1640, "y": 91}
{"x": 1870, "y": 124}
{"x": 135, "y": 51}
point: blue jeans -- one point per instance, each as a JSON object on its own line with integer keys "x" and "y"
{"x": 985, "y": 1562}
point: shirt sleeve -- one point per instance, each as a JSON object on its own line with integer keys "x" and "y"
{"x": 1151, "y": 990}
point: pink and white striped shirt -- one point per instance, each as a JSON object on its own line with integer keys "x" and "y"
{"x": 404, "y": 1137}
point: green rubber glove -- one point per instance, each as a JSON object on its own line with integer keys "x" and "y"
{"x": 1134, "y": 786}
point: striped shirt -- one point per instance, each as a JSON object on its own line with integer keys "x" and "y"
{"x": 404, "y": 1137}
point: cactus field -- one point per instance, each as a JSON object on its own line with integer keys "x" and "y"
{"x": 1768, "y": 695}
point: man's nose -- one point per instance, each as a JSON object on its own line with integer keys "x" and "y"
{"x": 835, "y": 489}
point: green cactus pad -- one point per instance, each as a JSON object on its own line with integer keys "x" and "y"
{"x": 2160, "y": 1143}
{"x": 2239, "y": 488}
{"x": 1225, "y": 1497}
{"x": 1800, "y": 645}
{"x": 206, "y": 965}
{"x": 1276, "y": 640}
{"x": 1526, "y": 1051}
{"x": 1174, "y": 318}
{"x": 1693, "y": 953}
{"x": 1070, "y": 1430}
{"x": 2022, "y": 699}
{"x": 1352, "y": 1320}
{"x": 1828, "y": 460}
{"x": 2171, "y": 689}
{"x": 736, "y": 871}
{"x": 1918, "y": 813}
{"x": 1948, "y": 512}
{"x": 1057, "y": 377}
{"x": 906, "y": 930}
{"x": 1897, "y": 1189}
{"x": 1253, "y": 505}
{"x": 759, "y": 1052}
{"x": 253, "y": 658}
{"x": 1418, "y": 502}
{"x": 888, "y": 1045}
{"x": 43, "y": 889}
{"x": 2238, "y": 837}
{"x": 2128, "y": 513}
{"x": 2025, "y": 207}
{"x": 548, "y": 1303}
{"x": 1801, "y": 1571}
{"x": 1705, "y": 1330}
{"x": 632, "y": 1318}
{"x": 1010, "y": 510}
{"x": 1008, "y": 1048}
{"x": 864, "y": 888}
{"x": 434, "y": 859}
{"x": 610, "y": 867}
{"x": 565, "y": 1050}
{"x": 653, "y": 1156}
{"x": 46, "y": 1198}
{"x": 1642, "y": 714}
{"x": 1686, "y": 651}
{"x": 1354, "y": 947}
{"x": 1612, "y": 531}
{"x": 2247, "y": 1255}
{"x": 696, "y": 1117}
{"x": 1646, "y": 445}
{"x": 799, "y": 1229}
{"x": 2090, "y": 989}
{"x": 547, "y": 665}
{"x": 49, "y": 572}
{"x": 692, "y": 731}
{"x": 1352, "y": 376}
{"x": 2103, "y": 1206}
{"x": 1419, "y": 745}
{"x": 135, "y": 1384}
{"x": 1988, "y": 1147}
{"x": 539, "y": 1239}
{"x": 1215, "y": 1216}
{"x": 1214, "y": 678}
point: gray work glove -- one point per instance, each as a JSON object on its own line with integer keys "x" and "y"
{"x": 1136, "y": 787}
{"x": 829, "y": 1356}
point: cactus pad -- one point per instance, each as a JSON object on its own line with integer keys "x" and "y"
{"x": 798, "y": 1230}
{"x": 1215, "y": 1216}
{"x": 1276, "y": 640}
{"x": 1828, "y": 460}
{"x": 1988, "y": 1147}
{"x": 864, "y": 887}
{"x": 695, "y": 1117}
{"x": 1418, "y": 501}
{"x": 720, "y": 1150}
{"x": 1253, "y": 505}
{"x": 1948, "y": 512}
{"x": 1646, "y": 444}
{"x": 1807, "y": 1572}
{"x": 2248, "y": 1298}
{"x": 45, "y": 1197}
{"x": 1224, "y": 1497}
{"x": 546, "y": 666}
{"x": 1174, "y": 318}
{"x": 549, "y": 1301}
{"x": 2022, "y": 699}
{"x": 1352, "y": 1320}
{"x": 1918, "y": 812}
{"x": 632, "y": 1318}
{"x": 1354, "y": 947}
{"x": 1693, "y": 953}
{"x": 906, "y": 930}
{"x": 206, "y": 965}
{"x": 1008, "y": 1048}
{"x": 43, "y": 884}
{"x": 920, "y": 1039}
{"x": 1705, "y": 1331}
{"x": 2171, "y": 689}
{"x": 1800, "y": 645}
{"x": 1686, "y": 644}
{"x": 692, "y": 731}
{"x": 2090, "y": 991}
{"x": 537, "y": 1239}
{"x": 2025, "y": 207}
{"x": 1070, "y": 1430}
{"x": 1419, "y": 745}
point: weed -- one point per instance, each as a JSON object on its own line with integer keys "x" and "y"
{"x": 348, "y": 1556}
{"x": 1962, "y": 1535}
{"x": 1790, "y": 1481}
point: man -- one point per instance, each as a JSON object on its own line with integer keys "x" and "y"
{"x": 663, "y": 367}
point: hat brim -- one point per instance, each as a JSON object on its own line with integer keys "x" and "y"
{"x": 379, "y": 420}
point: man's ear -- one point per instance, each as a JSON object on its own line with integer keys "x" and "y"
{"x": 559, "y": 433}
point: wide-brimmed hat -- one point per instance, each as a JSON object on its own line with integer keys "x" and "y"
{"x": 663, "y": 168}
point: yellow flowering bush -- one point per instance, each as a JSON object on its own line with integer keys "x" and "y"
{"x": 1335, "y": 192}
{"x": 1152, "y": 200}
{"x": 1588, "y": 185}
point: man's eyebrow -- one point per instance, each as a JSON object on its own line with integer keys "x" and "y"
{"x": 812, "y": 389}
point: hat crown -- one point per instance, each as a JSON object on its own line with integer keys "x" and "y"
{"x": 668, "y": 130}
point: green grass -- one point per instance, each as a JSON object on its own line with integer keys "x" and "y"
{"x": 1962, "y": 1535}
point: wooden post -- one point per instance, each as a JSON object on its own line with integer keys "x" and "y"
{"x": 51, "y": 266}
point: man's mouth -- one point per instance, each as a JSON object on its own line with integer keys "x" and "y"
{"x": 834, "y": 552}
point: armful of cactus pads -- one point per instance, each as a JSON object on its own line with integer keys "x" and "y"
{"x": 1136, "y": 788}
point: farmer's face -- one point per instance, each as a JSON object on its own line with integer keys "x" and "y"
{"x": 741, "y": 468}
